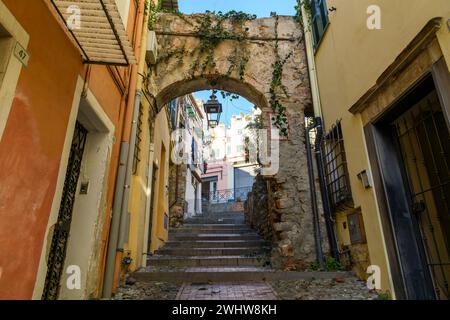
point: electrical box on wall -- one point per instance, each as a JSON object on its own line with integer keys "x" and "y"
{"x": 356, "y": 227}
{"x": 152, "y": 48}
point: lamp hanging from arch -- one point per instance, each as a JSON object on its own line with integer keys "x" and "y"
{"x": 213, "y": 110}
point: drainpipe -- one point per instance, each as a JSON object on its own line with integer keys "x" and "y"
{"x": 318, "y": 123}
{"x": 121, "y": 194}
{"x": 312, "y": 187}
{"x": 124, "y": 213}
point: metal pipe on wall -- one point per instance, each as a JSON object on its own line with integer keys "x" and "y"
{"x": 115, "y": 222}
{"x": 125, "y": 149}
{"x": 124, "y": 214}
{"x": 312, "y": 187}
{"x": 318, "y": 123}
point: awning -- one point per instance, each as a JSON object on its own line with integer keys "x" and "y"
{"x": 99, "y": 31}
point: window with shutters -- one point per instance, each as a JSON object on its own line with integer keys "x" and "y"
{"x": 319, "y": 15}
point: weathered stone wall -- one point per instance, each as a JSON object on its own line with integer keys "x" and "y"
{"x": 177, "y": 191}
{"x": 356, "y": 258}
{"x": 217, "y": 208}
{"x": 173, "y": 76}
{"x": 257, "y": 209}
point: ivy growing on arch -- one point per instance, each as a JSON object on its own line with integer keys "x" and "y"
{"x": 211, "y": 31}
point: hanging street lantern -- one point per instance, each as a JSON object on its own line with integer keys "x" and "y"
{"x": 213, "y": 110}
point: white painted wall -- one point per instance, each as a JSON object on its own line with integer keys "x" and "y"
{"x": 124, "y": 9}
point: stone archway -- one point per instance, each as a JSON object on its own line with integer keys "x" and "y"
{"x": 186, "y": 65}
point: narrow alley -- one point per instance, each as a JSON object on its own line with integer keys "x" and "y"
{"x": 216, "y": 256}
{"x": 224, "y": 150}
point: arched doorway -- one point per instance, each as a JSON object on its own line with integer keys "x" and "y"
{"x": 263, "y": 60}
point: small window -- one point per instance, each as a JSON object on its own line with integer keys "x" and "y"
{"x": 319, "y": 17}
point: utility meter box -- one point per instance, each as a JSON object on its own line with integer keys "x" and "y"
{"x": 152, "y": 48}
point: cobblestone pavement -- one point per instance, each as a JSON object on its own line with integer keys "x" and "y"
{"x": 227, "y": 291}
{"x": 148, "y": 291}
{"x": 324, "y": 289}
{"x": 312, "y": 289}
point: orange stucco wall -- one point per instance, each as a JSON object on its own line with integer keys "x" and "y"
{"x": 32, "y": 143}
{"x": 30, "y": 150}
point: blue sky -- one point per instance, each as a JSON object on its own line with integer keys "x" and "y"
{"x": 262, "y": 8}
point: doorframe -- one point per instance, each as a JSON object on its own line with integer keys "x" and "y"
{"x": 87, "y": 110}
{"x": 53, "y": 217}
{"x": 410, "y": 275}
{"x": 10, "y": 66}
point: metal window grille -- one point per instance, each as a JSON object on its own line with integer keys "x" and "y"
{"x": 424, "y": 143}
{"x": 335, "y": 163}
{"x": 137, "y": 147}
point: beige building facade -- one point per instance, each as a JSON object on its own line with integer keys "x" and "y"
{"x": 380, "y": 75}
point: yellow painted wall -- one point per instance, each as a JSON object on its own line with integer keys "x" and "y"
{"x": 162, "y": 142}
{"x": 140, "y": 196}
{"x": 349, "y": 60}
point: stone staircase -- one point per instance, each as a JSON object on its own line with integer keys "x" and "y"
{"x": 218, "y": 248}
{"x": 210, "y": 248}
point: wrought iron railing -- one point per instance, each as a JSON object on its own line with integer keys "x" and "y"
{"x": 228, "y": 195}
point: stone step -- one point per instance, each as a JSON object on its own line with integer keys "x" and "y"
{"x": 237, "y": 243}
{"x": 233, "y": 274}
{"x": 247, "y": 251}
{"x": 216, "y": 244}
{"x": 211, "y": 261}
{"x": 210, "y": 230}
{"x": 218, "y": 214}
{"x": 218, "y": 219}
{"x": 215, "y": 226}
{"x": 213, "y": 236}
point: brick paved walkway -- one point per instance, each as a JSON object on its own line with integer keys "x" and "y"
{"x": 227, "y": 291}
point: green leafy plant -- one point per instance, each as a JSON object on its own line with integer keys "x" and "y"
{"x": 331, "y": 265}
{"x": 280, "y": 118}
{"x": 314, "y": 266}
{"x": 306, "y": 4}
{"x": 152, "y": 9}
{"x": 384, "y": 296}
{"x": 211, "y": 31}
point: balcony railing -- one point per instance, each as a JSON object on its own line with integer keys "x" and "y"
{"x": 229, "y": 195}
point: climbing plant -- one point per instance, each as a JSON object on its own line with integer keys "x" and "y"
{"x": 279, "y": 119}
{"x": 211, "y": 30}
{"x": 152, "y": 9}
{"x": 306, "y": 4}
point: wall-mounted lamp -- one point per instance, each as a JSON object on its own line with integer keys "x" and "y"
{"x": 448, "y": 24}
{"x": 364, "y": 177}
